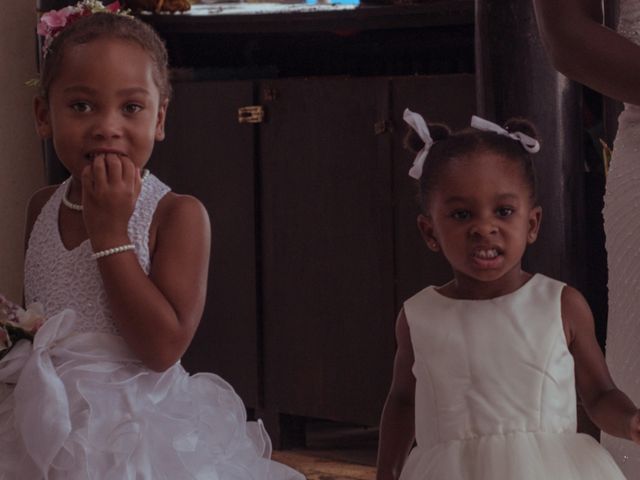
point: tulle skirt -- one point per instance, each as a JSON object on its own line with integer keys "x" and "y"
{"x": 80, "y": 406}
{"x": 521, "y": 456}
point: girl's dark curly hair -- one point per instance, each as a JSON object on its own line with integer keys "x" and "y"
{"x": 98, "y": 25}
{"x": 448, "y": 146}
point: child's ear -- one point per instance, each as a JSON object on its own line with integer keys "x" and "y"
{"x": 535, "y": 217}
{"x": 41, "y": 115}
{"x": 162, "y": 115}
{"x": 425, "y": 226}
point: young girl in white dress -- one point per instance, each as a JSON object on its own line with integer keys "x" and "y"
{"x": 609, "y": 62}
{"x": 488, "y": 365}
{"x": 119, "y": 263}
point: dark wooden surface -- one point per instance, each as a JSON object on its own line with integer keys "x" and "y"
{"x": 449, "y": 99}
{"x": 210, "y": 155}
{"x": 436, "y": 37}
{"x": 341, "y": 251}
{"x": 327, "y": 238}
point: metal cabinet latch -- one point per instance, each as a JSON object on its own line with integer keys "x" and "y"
{"x": 382, "y": 126}
{"x": 251, "y": 114}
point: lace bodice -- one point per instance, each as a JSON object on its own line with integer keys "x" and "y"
{"x": 629, "y": 23}
{"x": 60, "y": 278}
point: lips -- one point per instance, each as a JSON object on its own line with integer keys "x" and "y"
{"x": 486, "y": 253}
{"x": 487, "y": 258}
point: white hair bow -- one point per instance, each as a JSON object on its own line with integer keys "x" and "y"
{"x": 530, "y": 144}
{"x": 417, "y": 123}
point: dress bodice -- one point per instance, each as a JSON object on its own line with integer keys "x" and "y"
{"x": 60, "y": 278}
{"x": 629, "y": 21}
{"x": 491, "y": 367}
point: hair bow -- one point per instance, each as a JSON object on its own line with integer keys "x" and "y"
{"x": 530, "y": 144}
{"x": 417, "y": 123}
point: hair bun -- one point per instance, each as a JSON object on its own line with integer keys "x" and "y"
{"x": 439, "y": 131}
{"x": 521, "y": 125}
{"x": 414, "y": 143}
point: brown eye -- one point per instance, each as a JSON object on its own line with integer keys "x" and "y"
{"x": 81, "y": 107}
{"x": 132, "y": 108}
{"x": 461, "y": 215}
{"x": 504, "y": 211}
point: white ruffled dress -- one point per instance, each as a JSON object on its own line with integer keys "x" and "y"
{"x": 495, "y": 390}
{"x": 78, "y": 405}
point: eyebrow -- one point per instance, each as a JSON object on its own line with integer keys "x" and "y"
{"x": 89, "y": 90}
{"x": 503, "y": 197}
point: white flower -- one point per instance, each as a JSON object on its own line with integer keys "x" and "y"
{"x": 30, "y": 319}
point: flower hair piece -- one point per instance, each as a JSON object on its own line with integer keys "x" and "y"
{"x": 417, "y": 123}
{"x": 53, "y": 22}
{"x": 530, "y": 144}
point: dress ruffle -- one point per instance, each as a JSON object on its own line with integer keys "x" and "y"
{"x": 80, "y": 406}
{"x": 518, "y": 455}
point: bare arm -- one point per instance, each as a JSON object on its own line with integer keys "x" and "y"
{"x": 609, "y": 408}
{"x": 586, "y": 51}
{"x": 397, "y": 429}
{"x": 158, "y": 314}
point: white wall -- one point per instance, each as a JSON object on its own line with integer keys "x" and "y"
{"x": 21, "y": 166}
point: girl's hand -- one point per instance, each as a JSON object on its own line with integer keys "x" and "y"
{"x": 635, "y": 427}
{"x": 110, "y": 189}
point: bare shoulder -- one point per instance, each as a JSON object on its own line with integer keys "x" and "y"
{"x": 576, "y": 313}
{"x": 181, "y": 217}
{"x": 178, "y": 208}
{"x": 40, "y": 197}
{"x": 573, "y": 302}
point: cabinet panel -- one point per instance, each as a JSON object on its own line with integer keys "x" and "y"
{"x": 327, "y": 243}
{"x": 449, "y": 99}
{"x": 208, "y": 154}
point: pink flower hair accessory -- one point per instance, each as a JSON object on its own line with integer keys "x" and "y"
{"x": 53, "y": 22}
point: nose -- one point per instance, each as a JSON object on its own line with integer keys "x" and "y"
{"x": 107, "y": 124}
{"x": 483, "y": 227}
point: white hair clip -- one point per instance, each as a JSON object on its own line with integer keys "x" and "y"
{"x": 417, "y": 123}
{"x": 530, "y": 144}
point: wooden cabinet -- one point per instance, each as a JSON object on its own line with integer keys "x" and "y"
{"x": 315, "y": 244}
{"x": 327, "y": 223}
{"x": 208, "y": 154}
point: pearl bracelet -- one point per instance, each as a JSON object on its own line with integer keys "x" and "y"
{"x": 111, "y": 251}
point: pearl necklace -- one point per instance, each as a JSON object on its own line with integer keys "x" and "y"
{"x": 76, "y": 206}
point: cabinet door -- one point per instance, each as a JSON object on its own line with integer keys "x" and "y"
{"x": 327, "y": 245}
{"x": 448, "y": 99}
{"x": 209, "y": 155}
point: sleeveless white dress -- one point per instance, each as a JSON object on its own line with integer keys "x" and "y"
{"x": 78, "y": 405}
{"x": 495, "y": 390}
{"x": 622, "y": 228}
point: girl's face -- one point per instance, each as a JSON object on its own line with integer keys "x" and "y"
{"x": 482, "y": 218}
{"x": 103, "y": 100}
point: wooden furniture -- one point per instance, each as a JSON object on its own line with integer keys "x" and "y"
{"x": 315, "y": 244}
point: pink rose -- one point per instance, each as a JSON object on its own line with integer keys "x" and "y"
{"x": 55, "y": 20}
